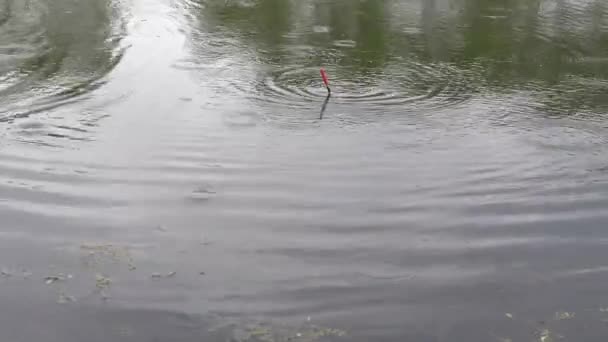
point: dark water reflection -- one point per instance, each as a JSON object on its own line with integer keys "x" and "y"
{"x": 174, "y": 170}
{"x": 51, "y": 56}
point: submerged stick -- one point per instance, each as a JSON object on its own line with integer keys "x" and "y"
{"x": 325, "y": 80}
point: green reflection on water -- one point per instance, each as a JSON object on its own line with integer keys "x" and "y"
{"x": 59, "y": 48}
{"x": 556, "y": 49}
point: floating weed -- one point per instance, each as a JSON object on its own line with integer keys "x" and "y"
{"x": 51, "y": 279}
{"x": 260, "y": 334}
{"x": 56, "y": 278}
{"x": 267, "y": 333}
{"x": 562, "y": 315}
{"x": 102, "y": 282}
{"x": 202, "y": 194}
{"x": 318, "y": 332}
{"x": 157, "y": 275}
{"x": 98, "y": 254}
{"x": 545, "y": 336}
{"x": 549, "y": 336}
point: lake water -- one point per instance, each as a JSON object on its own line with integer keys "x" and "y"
{"x": 173, "y": 170}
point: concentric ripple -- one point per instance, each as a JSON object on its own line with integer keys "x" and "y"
{"x": 399, "y": 90}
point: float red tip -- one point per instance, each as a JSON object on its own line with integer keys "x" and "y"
{"x": 325, "y": 79}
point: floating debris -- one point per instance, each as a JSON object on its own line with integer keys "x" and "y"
{"x": 52, "y": 279}
{"x": 202, "y": 194}
{"x": 546, "y": 336}
{"x": 97, "y": 254}
{"x": 157, "y": 275}
{"x": 264, "y": 333}
{"x": 55, "y": 278}
{"x": 509, "y": 315}
{"x": 562, "y": 315}
{"x": 5, "y": 273}
{"x": 261, "y": 334}
{"x": 327, "y": 332}
{"x": 102, "y": 282}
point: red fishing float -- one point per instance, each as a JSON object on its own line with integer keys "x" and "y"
{"x": 325, "y": 79}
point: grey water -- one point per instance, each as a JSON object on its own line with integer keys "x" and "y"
{"x": 173, "y": 170}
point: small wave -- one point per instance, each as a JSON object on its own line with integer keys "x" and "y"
{"x": 43, "y": 65}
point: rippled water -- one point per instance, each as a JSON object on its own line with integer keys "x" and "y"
{"x": 174, "y": 170}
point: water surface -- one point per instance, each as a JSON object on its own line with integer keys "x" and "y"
{"x": 173, "y": 170}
